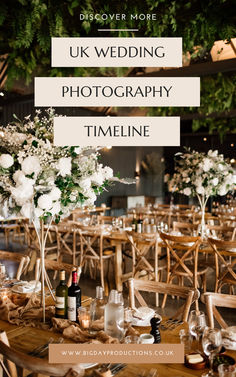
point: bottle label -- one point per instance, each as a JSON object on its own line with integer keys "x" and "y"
{"x": 71, "y": 310}
{"x": 139, "y": 228}
{"x": 60, "y": 302}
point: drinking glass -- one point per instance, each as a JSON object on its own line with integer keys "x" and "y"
{"x": 128, "y": 318}
{"x": 211, "y": 343}
{"x": 3, "y": 274}
{"x": 131, "y": 339}
{"x": 226, "y": 370}
{"x": 84, "y": 317}
{"x": 197, "y": 324}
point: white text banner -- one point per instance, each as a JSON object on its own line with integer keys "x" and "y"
{"x": 117, "y": 131}
{"x": 116, "y": 52}
{"x": 117, "y": 91}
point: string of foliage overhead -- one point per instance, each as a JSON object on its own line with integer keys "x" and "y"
{"x": 26, "y": 28}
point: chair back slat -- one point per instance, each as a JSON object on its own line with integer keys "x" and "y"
{"x": 213, "y": 300}
{"x": 189, "y": 294}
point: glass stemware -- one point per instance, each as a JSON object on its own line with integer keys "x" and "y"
{"x": 211, "y": 343}
{"x": 197, "y": 324}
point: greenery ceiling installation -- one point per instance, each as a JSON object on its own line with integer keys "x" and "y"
{"x": 218, "y": 99}
{"x": 26, "y": 27}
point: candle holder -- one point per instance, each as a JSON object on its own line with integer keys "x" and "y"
{"x": 4, "y": 293}
{"x": 84, "y": 317}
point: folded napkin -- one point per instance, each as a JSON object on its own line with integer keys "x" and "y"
{"x": 25, "y": 311}
{"x": 73, "y": 331}
{"x": 27, "y": 287}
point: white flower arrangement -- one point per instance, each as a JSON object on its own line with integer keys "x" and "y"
{"x": 201, "y": 174}
{"x": 39, "y": 180}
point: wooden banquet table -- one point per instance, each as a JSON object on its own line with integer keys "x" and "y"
{"x": 25, "y": 339}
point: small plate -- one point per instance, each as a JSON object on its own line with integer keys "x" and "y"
{"x": 88, "y": 365}
{"x": 196, "y": 366}
{"x": 143, "y": 312}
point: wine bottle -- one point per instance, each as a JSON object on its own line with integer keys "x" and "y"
{"x": 140, "y": 224}
{"x": 134, "y": 223}
{"x": 97, "y": 306}
{"x": 74, "y": 298}
{"x": 61, "y": 297}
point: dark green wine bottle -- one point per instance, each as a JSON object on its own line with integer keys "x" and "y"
{"x": 61, "y": 297}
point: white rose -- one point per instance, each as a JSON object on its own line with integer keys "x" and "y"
{"x": 64, "y": 166}
{"x": 207, "y": 164}
{"x": 222, "y": 191}
{"x": 26, "y": 210}
{"x": 19, "y": 177}
{"x": 200, "y": 190}
{"x": 187, "y": 191}
{"x": 23, "y": 192}
{"x": 215, "y": 181}
{"x": 91, "y": 197}
{"x": 107, "y": 172}
{"x": 212, "y": 153}
{"x": 6, "y": 161}
{"x": 45, "y": 202}
{"x": 55, "y": 194}
{"x": 56, "y": 208}
{"x": 31, "y": 165}
{"x": 85, "y": 183}
{"x": 97, "y": 179}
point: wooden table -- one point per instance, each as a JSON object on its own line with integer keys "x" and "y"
{"x": 25, "y": 339}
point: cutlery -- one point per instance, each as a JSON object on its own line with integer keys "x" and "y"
{"x": 43, "y": 352}
{"x": 39, "y": 349}
{"x": 117, "y": 369}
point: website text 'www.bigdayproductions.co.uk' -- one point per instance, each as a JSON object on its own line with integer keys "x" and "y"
{"x": 112, "y": 353}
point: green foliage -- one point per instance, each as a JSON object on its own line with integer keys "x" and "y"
{"x": 218, "y": 97}
{"x": 26, "y": 28}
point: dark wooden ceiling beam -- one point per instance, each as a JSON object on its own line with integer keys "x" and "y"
{"x": 198, "y": 69}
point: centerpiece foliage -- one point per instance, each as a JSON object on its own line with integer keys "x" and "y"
{"x": 202, "y": 175}
{"x": 40, "y": 180}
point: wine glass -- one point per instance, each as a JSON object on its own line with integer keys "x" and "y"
{"x": 197, "y": 324}
{"x": 211, "y": 343}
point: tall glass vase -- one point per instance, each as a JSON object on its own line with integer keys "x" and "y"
{"x": 42, "y": 238}
{"x": 203, "y": 201}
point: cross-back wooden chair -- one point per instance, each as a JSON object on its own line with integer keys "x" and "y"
{"x": 19, "y": 361}
{"x": 226, "y": 219}
{"x": 185, "y": 228}
{"x": 94, "y": 252}
{"x": 144, "y": 248}
{"x": 225, "y": 263}
{"x": 179, "y": 249}
{"x": 222, "y": 232}
{"x": 57, "y": 266}
{"x": 22, "y": 259}
{"x": 164, "y": 216}
{"x": 105, "y": 219}
{"x": 212, "y": 300}
{"x": 189, "y": 294}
